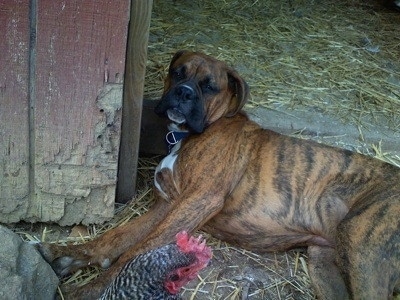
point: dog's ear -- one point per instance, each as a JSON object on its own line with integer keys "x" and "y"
{"x": 240, "y": 90}
{"x": 176, "y": 56}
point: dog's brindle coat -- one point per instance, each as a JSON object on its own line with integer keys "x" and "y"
{"x": 259, "y": 190}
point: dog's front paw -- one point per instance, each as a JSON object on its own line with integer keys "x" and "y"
{"x": 63, "y": 259}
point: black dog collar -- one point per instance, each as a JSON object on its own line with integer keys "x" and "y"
{"x": 173, "y": 137}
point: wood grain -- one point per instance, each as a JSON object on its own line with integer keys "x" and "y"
{"x": 60, "y": 107}
{"x": 14, "y": 108}
{"x": 80, "y": 62}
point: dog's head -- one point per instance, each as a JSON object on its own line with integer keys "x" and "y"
{"x": 199, "y": 90}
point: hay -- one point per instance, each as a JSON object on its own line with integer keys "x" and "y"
{"x": 338, "y": 57}
{"x": 233, "y": 273}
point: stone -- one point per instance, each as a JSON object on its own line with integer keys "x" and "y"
{"x": 24, "y": 274}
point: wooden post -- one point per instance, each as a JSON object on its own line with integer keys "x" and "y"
{"x": 133, "y": 98}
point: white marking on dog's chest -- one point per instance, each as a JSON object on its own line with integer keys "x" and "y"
{"x": 169, "y": 163}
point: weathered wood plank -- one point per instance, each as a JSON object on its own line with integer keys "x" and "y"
{"x": 133, "y": 97}
{"x": 14, "y": 109}
{"x": 80, "y": 63}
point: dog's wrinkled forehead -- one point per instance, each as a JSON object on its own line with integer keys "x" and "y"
{"x": 200, "y": 67}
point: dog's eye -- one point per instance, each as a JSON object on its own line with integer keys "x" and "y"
{"x": 208, "y": 85}
{"x": 178, "y": 74}
{"x": 209, "y": 88}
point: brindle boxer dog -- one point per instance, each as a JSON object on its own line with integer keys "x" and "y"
{"x": 259, "y": 190}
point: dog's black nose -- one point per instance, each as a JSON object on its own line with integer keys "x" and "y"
{"x": 185, "y": 92}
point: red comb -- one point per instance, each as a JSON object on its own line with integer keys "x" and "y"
{"x": 188, "y": 243}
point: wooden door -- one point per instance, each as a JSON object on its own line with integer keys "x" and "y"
{"x": 62, "y": 68}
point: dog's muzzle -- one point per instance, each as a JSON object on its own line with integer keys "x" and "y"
{"x": 176, "y": 116}
{"x": 183, "y": 104}
{"x": 185, "y": 92}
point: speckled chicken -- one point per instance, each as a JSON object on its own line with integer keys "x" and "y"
{"x": 162, "y": 272}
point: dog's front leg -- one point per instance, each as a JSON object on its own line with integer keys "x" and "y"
{"x": 104, "y": 250}
{"x": 188, "y": 214}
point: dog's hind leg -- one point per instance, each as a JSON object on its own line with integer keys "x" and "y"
{"x": 325, "y": 275}
{"x": 368, "y": 248}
